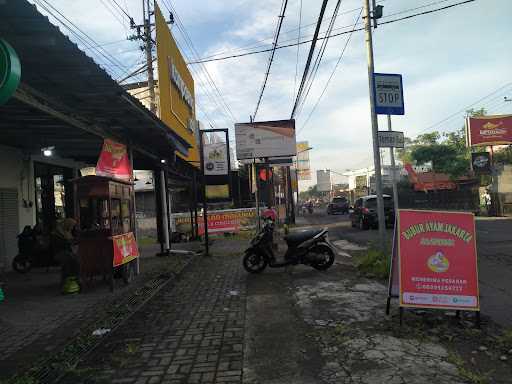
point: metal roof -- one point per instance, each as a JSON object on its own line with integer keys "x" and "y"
{"x": 66, "y": 100}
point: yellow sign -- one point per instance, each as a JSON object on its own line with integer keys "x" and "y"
{"x": 217, "y": 191}
{"x": 176, "y": 86}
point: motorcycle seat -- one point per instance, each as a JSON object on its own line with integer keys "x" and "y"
{"x": 298, "y": 237}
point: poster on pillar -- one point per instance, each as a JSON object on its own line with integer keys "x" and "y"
{"x": 114, "y": 162}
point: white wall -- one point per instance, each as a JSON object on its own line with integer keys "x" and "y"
{"x": 17, "y": 172}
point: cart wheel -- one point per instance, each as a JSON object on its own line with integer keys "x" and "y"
{"x": 128, "y": 272}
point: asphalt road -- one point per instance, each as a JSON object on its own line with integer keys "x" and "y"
{"x": 494, "y": 244}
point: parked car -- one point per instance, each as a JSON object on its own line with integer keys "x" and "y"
{"x": 364, "y": 214}
{"x": 338, "y": 205}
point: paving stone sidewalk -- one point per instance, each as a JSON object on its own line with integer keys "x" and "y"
{"x": 192, "y": 332}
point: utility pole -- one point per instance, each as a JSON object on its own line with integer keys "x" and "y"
{"x": 149, "y": 55}
{"x": 375, "y": 125}
{"x": 147, "y": 46}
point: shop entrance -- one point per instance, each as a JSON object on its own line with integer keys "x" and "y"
{"x": 54, "y": 194}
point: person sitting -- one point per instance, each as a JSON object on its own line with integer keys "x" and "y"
{"x": 63, "y": 240}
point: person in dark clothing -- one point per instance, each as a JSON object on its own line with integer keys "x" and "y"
{"x": 63, "y": 240}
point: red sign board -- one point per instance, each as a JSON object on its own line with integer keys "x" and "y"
{"x": 113, "y": 161}
{"x": 125, "y": 248}
{"x": 437, "y": 260}
{"x": 489, "y": 130}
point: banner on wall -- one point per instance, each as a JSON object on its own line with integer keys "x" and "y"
{"x": 113, "y": 161}
{"x": 489, "y": 130}
{"x": 438, "y": 260}
{"x": 220, "y": 221}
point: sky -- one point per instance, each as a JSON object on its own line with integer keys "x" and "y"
{"x": 450, "y": 60}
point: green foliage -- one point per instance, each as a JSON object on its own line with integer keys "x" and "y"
{"x": 446, "y": 152}
{"x": 375, "y": 263}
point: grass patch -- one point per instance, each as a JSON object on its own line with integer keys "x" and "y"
{"x": 146, "y": 240}
{"x": 472, "y": 377}
{"x": 374, "y": 263}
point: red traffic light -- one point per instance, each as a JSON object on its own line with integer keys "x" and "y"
{"x": 265, "y": 174}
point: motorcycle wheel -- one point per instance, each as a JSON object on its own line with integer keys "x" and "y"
{"x": 327, "y": 257}
{"x": 254, "y": 262}
{"x": 21, "y": 264}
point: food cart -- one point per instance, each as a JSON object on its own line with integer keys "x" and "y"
{"x": 106, "y": 222}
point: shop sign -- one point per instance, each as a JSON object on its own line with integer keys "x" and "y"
{"x": 215, "y": 159}
{"x": 113, "y": 161}
{"x": 125, "y": 248}
{"x": 481, "y": 162}
{"x": 489, "y": 130}
{"x": 215, "y": 192}
{"x": 10, "y": 71}
{"x": 180, "y": 84}
{"x": 438, "y": 260}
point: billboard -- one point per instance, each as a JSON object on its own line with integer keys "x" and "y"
{"x": 265, "y": 139}
{"x": 323, "y": 180}
{"x": 176, "y": 88}
{"x": 215, "y": 159}
{"x": 489, "y": 130}
{"x": 303, "y": 166}
{"x": 437, "y": 259}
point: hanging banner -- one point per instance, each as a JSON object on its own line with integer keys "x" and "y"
{"x": 323, "y": 180}
{"x": 489, "y": 130}
{"x": 481, "y": 162}
{"x": 215, "y": 159}
{"x": 438, "y": 261}
{"x": 265, "y": 139}
{"x": 113, "y": 161}
{"x": 125, "y": 248}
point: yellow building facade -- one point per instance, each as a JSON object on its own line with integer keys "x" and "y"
{"x": 176, "y": 87}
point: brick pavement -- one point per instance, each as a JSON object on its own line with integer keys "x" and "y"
{"x": 190, "y": 333}
{"x": 36, "y": 320}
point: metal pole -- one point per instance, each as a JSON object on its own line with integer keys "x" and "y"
{"x": 149, "y": 54}
{"x": 163, "y": 198}
{"x": 256, "y": 194}
{"x": 169, "y": 209}
{"x": 203, "y": 188}
{"x": 134, "y": 209}
{"x": 375, "y": 127}
{"x": 195, "y": 230}
{"x": 393, "y": 174}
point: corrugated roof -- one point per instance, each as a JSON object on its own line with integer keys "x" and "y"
{"x": 58, "y": 76}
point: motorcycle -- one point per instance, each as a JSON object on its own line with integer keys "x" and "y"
{"x": 32, "y": 252}
{"x": 311, "y": 247}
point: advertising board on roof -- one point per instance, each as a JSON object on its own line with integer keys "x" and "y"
{"x": 176, "y": 88}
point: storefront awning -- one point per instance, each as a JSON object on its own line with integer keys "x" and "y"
{"x": 65, "y": 100}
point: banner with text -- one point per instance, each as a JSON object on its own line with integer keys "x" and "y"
{"x": 489, "y": 130}
{"x": 438, "y": 261}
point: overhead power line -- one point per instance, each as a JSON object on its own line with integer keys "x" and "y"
{"x": 298, "y": 50}
{"x": 331, "y": 75}
{"x": 319, "y": 57}
{"x": 310, "y": 56}
{"x": 333, "y": 35}
{"x": 271, "y": 58}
